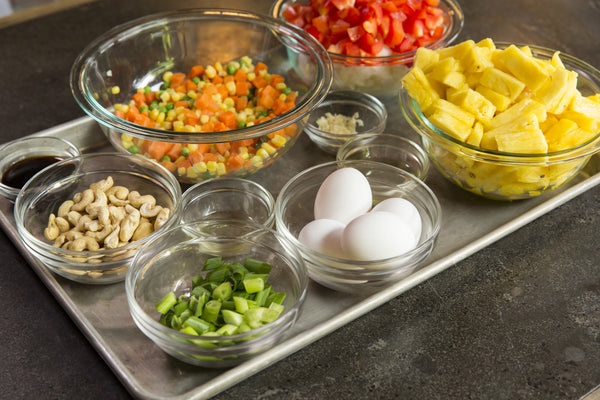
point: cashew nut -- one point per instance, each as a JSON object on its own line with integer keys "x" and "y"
{"x": 149, "y": 211}
{"x": 73, "y": 217}
{"x": 80, "y": 225}
{"x": 84, "y": 243}
{"x": 144, "y": 229}
{"x": 103, "y": 185}
{"x": 162, "y": 217}
{"x": 65, "y": 208}
{"x": 52, "y": 231}
{"x": 101, "y": 235}
{"x": 100, "y": 200}
{"x": 129, "y": 223}
{"x": 117, "y": 195}
{"x": 87, "y": 196}
{"x": 63, "y": 224}
{"x": 136, "y": 200}
{"x": 116, "y": 214}
{"x": 112, "y": 240}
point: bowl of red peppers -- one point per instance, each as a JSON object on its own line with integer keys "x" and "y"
{"x": 372, "y": 43}
{"x": 206, "y": 93}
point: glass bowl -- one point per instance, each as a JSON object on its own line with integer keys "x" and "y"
{"x": 95, "y": 217}
{"x": 145, "y": 54}
{"x": 294, "y": 209}
{"x": 20, "y": 159}
{"x": 380, "y": 76}
{"x": 233, "y": 198}
{"x": 387, "y": 148}
{"x": 500, "y": 175}
{"x": 171, "y": 260}
{"x": 365, "y": 113}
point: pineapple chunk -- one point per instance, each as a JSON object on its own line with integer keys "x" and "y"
{"x": 499, "y": 101}
{"x": 474, "y": 103}
{"x": 425, "y": 58}
{"x": 456, "y": 51}
{"x": 530, "y": 141}
{"x": 523, "y": 66}
{"x": 501, "y": 82}
{"x": 474, "y": 138}
{"x": 487, "y": 42}
{"x": 517, "y": 111}
{"x": 476, "y": 59}
{"x": 448, "y": 72}
{"x": 585, "y": 122}
{"x": 552, "y": 92}
{"x": 522, "y": 122}
{"x": 451, "y": 119}
{"x": 558, "y": 136}
{"x": 419, "y": 88}
{"x": 556, "y": 61}
{"x": 589, "y": 106}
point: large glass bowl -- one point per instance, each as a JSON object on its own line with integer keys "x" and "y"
{"x": 380, "y": 76}
{"x": 170, "y": 261}
{"x": 137, "y": 54}
{"x": 50, "y": 188}
{"x": 294, "y": 209}
{"x": 500, "y": 175}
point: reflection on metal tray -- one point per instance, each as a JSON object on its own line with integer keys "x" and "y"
{"x": 469, "y": 224}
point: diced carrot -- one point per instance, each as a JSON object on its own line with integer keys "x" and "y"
{"x": 180, "y": 89}
{"x": 177, "y": 79}
{"x": 260, "y": 66}
{"x": 241, "y": 103}
{"x": 291, "y": 97}
{"x": 195, "y": 157}
{"x": 222, "y": 148}
{"x": 242, "y": 88}
{"x": 267, "y": 97}
{"x": 210, "y": 157}
{"x": 139, "y": 98}
{"x": 275, "y": 79}
{"x": 157, "y": 150}
{"x": 192, "y": 120}
{"x": 184, "y": 164}
{"x": 240, "y": 76}
{"x": 196, "y": 71}
{"x": 234, "y": 161}
{"x": 228, "y": 78}
{"x": 228, "y": 118}
{"x": 259, "y": 82}
{"x": 120, "y": 114}
{"x": 223, "y": 91}
{"x": 175, "y": 151}
{"x": 170, "y": 165}
{"x": 217, "y": 79}
{"x": 150, "y": 97}
{"x": 206, "y": 102}
{"x": 203, "y": 148}
{"x": 182, "y": 103}
{"x": 190, "y": 85}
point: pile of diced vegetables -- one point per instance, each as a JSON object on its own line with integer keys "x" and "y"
{"x": 225, "y": 299}
{"x": 211, "y": 98}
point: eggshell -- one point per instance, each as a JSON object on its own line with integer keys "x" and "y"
{"x": 324, "y": 236}
{"x": 405, "y": 210}
{"x": 344, "y": 195}
{"x": 377, "y": 235}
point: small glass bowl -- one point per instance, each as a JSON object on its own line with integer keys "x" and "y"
{"x": 369, "y": 110}
{"x": 388, "y": 148}
{"x": 294, "y": 209}
{"x": 46, "y": 149}
{"x": 380, "y": 76}
{"x": 138, "y": 53}
{"x": 233, "y": 198}
{"x": 500, "y": 175}
{"x": 168, "y": 263}
{"x": 50, "y": 188}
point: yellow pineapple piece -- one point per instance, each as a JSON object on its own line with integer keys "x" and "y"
{"x": 556, "y": 61}
{"x": 523, "y": 66}
{"x": 530, "y": 141}
{"x": 456, "y": 51}
{"x": 501, "y": 82}
{"x": 499, "y": 101}
{"x": 557, "y": 92}
{"x": 419, "y": 88}
{"x": 589, "y": 106}
{"x": 473, "y": 102}
{"x": 558, "y": 136}
{"x": 447, "y": 71}
{"x": 583, "y": 121}
{"x": 548, "y": 123}
{"x": 474, "y": 138}
{"x": 487, "y": 42}
{"x": 522, "y": 122}
{"x": 425, "y": 58}
{"x": 476, "y": 59}
{"x": 451, "y": 119}
{"x": 518, "y": 111}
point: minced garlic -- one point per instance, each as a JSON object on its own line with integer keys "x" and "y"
{"x": 339, "y": 124}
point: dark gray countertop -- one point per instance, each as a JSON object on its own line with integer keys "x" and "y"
{"x": 520, "y": 319}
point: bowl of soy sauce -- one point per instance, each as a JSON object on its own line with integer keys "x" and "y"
{"x": 22, "y": 158}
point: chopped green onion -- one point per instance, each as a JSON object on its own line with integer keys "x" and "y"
{"x": 254, "y": 285}
{"x": 165, "y": 304}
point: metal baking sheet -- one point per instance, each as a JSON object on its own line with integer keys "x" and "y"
{"x": 469, "y": 224}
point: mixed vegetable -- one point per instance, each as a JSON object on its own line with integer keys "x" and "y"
{"x": 367, "y": 28}
{"x": 226, "y": 299}
{"x": 211, "y": 98}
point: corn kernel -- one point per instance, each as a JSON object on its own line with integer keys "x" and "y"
{"x": 279, "y": 140}
{"x": 268, "y": 148}
{"x": 167, "y": 76}
{"x": 179, "y": 159}
{"x": 211, "y": 166}
{"x": 204, "y": 118}
{"x": 280, "y": 86}
{"x": 115, "y": 90}
{"x": 179, "y": 110}
{"x": 257, "y": 161}
{"x": 246, "y": 60}
{"x": 164, "y": 96}
{"x": 180, "y": 117}
{"x": 154, "y": 114}
{"x": 200, "y": 167}
{"x": 251, "y": 123}
{"x": 191, "y": 172}
{"x": 176, "y": 96}
{"x": 166, "y": 125}
{"x": 193, "y": 147}
{"x": 221, "y": 170}
{"x": 192, "y": 94}
{"x": 283, "y": 97}
{"x": 171, "y": 114}
{"x": 178, "y": 126}
{"x": 229, "y": 102}
{"x": 262, "y": 153}
{"x": 190, "y": 128}
{"x": 231, "y": 87}
{"x": 243, "y": 152}
{"x": 181, "y": 171}
{"x": 210, "y": 72}
{"x": 244, "y": 69}
{"x": 251, "y": 76}
{"x": 219, "y": 67}
{"x": 161, "y": 117}
{"x": 263, "y": 73}
{"x": 220, "y": 158}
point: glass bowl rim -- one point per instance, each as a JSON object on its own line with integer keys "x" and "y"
{"x": 81, "y": 65}
{"x": 417, "y": 120}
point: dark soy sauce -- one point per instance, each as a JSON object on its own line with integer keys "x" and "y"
{"x": 20, "y": 172}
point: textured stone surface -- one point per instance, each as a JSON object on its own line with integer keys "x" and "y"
{"x": 518, "y": 320}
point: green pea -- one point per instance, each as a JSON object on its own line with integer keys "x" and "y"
{"x": 147, "y": 90}
{"x": 286, "y": 90}
{"x": 154, "y": 105}
{"x": 196, "y": 80}
{"x": 185, "y": 151}
{"x": 163, "y": 109}
{"x": 165, "y": 158}
{"x": 143, "y": 108}
{"x": 133, "y": 149}
{"x": 241, "y": 124}
{"x": 231, "y": 69}
{"x": 170, "y": 106}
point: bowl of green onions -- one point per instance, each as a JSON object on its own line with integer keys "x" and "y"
{"x": 216, "y": 292}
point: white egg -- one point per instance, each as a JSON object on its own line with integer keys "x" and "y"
{"x": 405, "y": 210}
{"x": 344, "y": 195}
{"x": 377, "y": 235}
{"x": 324, "y": 236}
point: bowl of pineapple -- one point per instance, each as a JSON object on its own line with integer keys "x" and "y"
{"x": 504, "y": 121}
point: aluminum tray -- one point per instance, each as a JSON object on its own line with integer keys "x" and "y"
{"x": 469, "y": 224}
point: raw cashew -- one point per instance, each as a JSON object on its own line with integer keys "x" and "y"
{"x": 103, "y": 185}
{"x": 149, "y": 210}
{"x": 80, "y": 225}
{"x": 117, "y": 195}
{"x": 52, "y": 231}
{"x": 112, "y": 240}
{"x": 116, "y": 214}
{"x": 87, "y": 196}
{"x": 162, "y": 217}
{"x": 100, "y": 200}
{"x": 84, "y": 243}
{"x": 136, "y": 200}
{"x": 101, "y": 235}
{"x": 64, "y": 208}
{"x": 63, "y": 224}
{"x": 129, "y": 223}
{"x": 73, "y": 217}
{"x": 144, "y": 229}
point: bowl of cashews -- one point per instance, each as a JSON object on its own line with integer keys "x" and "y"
{"x": 86, "y": 217}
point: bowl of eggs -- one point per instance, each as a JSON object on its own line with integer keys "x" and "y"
{"x": 372, "y": 44}
{"x": 381, "y": 236}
